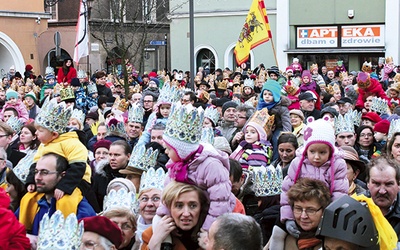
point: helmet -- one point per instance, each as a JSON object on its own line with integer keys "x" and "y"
{"x": 349, "y": 220}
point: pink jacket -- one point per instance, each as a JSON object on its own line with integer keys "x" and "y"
{"x": 323, "y": 173}
{"x": 20, "y": 107}
{"x": 210, "y": 172}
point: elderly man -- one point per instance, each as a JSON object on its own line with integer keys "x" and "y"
{"x": 307, "y": 105}
{"x": 229, "y": 115}
{"x": 244, "y": 112}
{"x": 100, "y": 233}
{"x": 234, "y": 231}
{"x": 383, "y": 179}
{"x": 50, "y": 169}
{"x": 345, "y": 105}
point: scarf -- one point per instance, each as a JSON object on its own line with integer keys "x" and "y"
{"x": 262, "y": 104}
{"x": 304, "y": 244}
{"x": 141, "y": 226}
{"x": 178, "y": 170}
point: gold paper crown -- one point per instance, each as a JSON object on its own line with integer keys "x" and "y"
{"x": 366, "y": 67}
{"x": 396, "y": 78}
{"x": 67, "y": 93}
{"x": 336, "y": 88}
{"x": 389, "y": 59}
{"x": 329, "y": 89}
{"x": 135, "y": 89}
{"x": 222, "y": 85}
{"x": 226, "y": 75}
{"x": 120, "y": 104}
{"x": 291, "y": 89}
{"x": 237, "y": 89}
{"x": 343, "y": 75}
{"x": 313, "y": 66}
{"x": 262, "y": 118}
{"x": 267, "y": 180}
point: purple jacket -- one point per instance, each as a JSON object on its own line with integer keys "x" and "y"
{"x": 323, "y": 173}
{"x": 210, "y": 172}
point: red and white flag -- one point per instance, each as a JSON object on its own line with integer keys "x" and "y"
{"x": 81, "y": 42}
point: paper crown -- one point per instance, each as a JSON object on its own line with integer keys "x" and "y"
{"x": 363, "y": 80}
{"x": 54, "y": 116}
{"x": 207, "y": 135}
{"x": 79, "y": 115}
{"x": 379, "y": 105}
{"x": 135, "y": 89}
{"x": 169, "y": 94}
{"x": 212, "y": 114}
{"x": 15, "y": 124}
{"x": 55, "y": 233}
{"x": 152, "y": 179}
{"x": 343, "y": 75}
{"x": 389, "y": 59}
{"x": 120, "y": 199}
{"x": 136, "y": 113}
{"x": 91, "y": 88}
{"x": 185, "y": 123}
{"x": 115, "y": 126}
{"x": 291, "y": 88}
{"x": 267, "y": 180}
{"x": 23, "y": 166}
{"x": 67, "y": 93}
{"x": 313, "y": 66}
{"x": 248, "y": 83}
{"x": 81, "y": 74}
{"x": 346, "y": 123}
{"x": 142, "y": 158}
{"x": 49, "y": 70}
{"x": 120, "y": 104}
{"x": 366, "y": 67}
{"x": 394, "y": 128}
{"x": 237, "y": 89}
{"x": 262, "y": 118}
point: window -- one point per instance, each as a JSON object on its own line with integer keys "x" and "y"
{"x": 53, "y": 11}
{"x": 149, "y": 11}
{"x": 205, "y": 58}
{"x": 118, "y": 10}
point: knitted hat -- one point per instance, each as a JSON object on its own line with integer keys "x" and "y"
{"x": 274, "y": 87}
{"x": 222, "y": 144}
{"x": 319, "y": 131}
{"x": 182, "y": 149}
{"x": 372, "y": 116}
{"x": 50, "y": 76}
{"x": 104, "y": 227}
{"x": 31, "y": 95}
{"x": 101, "y": 144}
{"x": 297, "y": 112}
{"x": 230, "y": 104}
{"x": 126, "y": 183}
{"x": 75, "y": 82}
{"x": 93, "y": 115}
{"x": 262, "y": 135}
{"x": 306, "y": 73}
{"x": 28, "y": 67}
{"x": 382, "y": 126}
{"x": 11, "y": 93}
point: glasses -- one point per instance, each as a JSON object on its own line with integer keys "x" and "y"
{"x": 146, "y": 199}
{"x": 125, "y": 226}
{"x": 366, "y": 135}
{"x": 89, "y": 244}
{"x": 3, "y": 136}
{"x": 308, "y": 211}
{"x": 185, "y": 100}
{"x": 44, "y": 172}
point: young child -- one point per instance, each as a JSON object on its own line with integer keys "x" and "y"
{"x": 92, "y": 96}
{"x": 51, "y": 125}
{"x": 197, "y": 164}
{"x": 381, "y": 130}
{"x": 319, "y": 159}
{"x": 308, "y": 83}
{"x": 15, "y": 103}
{"x": 255, "y": 150}
{"x": 277, "y": 105}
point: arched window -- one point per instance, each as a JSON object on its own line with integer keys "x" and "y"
{"x": 205, "y": 58}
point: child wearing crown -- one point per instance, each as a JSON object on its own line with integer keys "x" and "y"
{"x": 255, "y": 149}
{"x": 197, "y": 164}
{"x": 320, "y": 159}
{"x": 51, "y": 125}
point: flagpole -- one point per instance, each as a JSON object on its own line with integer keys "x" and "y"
{"x": 273, "y": 45}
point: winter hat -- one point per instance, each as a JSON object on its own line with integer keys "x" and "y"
{"x": 319, "y": 131}
{"x": 28, "y": 67}
{"x": 221, "y": 143}
{"x": 101, "y": 144}
{"x": 50, "y": 76}
{"x": 306, "y": 73}
{"x": 329, "y": 110}
{"x": 262, "y": 135}
{"x": 93, "y": 115}
{"x": 75, "y": 82}
{"x": 297, "y": 112}
{"x": 11, "y": 93}
{"x": 31, "y": 95}
{"x": 226, "y": 105}
{"x": 126, "y": 183}
{"x": 104, "y": 227}
{"x": 372, "y": 116}
{"x": 152, "y": 74}
{"x": 382, "y": 126}
{"x": 274, "y": 87}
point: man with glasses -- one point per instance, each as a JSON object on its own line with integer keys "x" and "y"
{"x": 148, "y": 102}
{"x": 188, "y": 98}
{"x": 49, "y": 171}
{"x": 244, "y": 112}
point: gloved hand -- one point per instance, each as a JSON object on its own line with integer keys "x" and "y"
{"x": 292, "y": 229}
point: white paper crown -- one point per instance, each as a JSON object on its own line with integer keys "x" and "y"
{"x": 79, "y": 115}
{"x": 115, "y": 126}
{"x": 248, "y": 83}
{"x": 49, "y": 70}
{"x": 81, "y": 74}
{"x": 142, "y": 158}
{"x": 344, "y": 124}
{"x": 212, "y": 114}
{"x": 136, "y": 113}
{"x": 379, "y": 105}
{"x": 15, "y": 124}
{"x": 207, "y": 135}
{"x": 356, "y": 117}
{"x": 23, "y": 166}
{"x": 57, "y": 234}
{"x": 54, "y": 116}
{"x": 168, "y": 94}
{"x": 152, "y": 179}
{"x": 394, "y": 128}
{"x": 185, "y": 123}
{"x": 120, "y": 199}
{"x": 267, "y": 180}
{"x": 91, "y": 88}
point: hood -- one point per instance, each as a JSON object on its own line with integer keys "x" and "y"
{"x": 100, "y": 167}
{"x": 285, "y": 101}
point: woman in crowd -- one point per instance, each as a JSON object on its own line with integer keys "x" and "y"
{"x": 126, "y": 221}
{"x": 393, "y": 147}
{"x": 308, "y": 199}
{"x": 28, "y": 142}
{"x": 188, "y": 206}
{"x": 101, "y": 152}
{"x": 365, "y": 144}
{"x": 297, "y": 121}
{"x": 287, "y": 146}
{"x": 66, "y": 72}
{"x": 355, "y": 167}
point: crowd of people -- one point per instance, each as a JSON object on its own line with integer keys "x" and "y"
{"x": 257, "y": 159}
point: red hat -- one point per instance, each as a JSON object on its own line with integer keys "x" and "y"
{"x": 104, "y": 227}
{"x": 382, "y": 126}
{"x": 28, "y": 67}
{"x": 152, "y": 74}
{"x": 101, "y": 144}
{"x": 372, "y": 116}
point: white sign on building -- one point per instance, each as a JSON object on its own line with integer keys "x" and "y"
{"x": 363, "y": 36}
{"x": 317, "y": 37}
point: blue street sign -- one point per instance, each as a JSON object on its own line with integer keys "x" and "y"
{"x": 158, "y": 42}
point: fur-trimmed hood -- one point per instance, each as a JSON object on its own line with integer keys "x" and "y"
{"x": 99, "y": 169}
